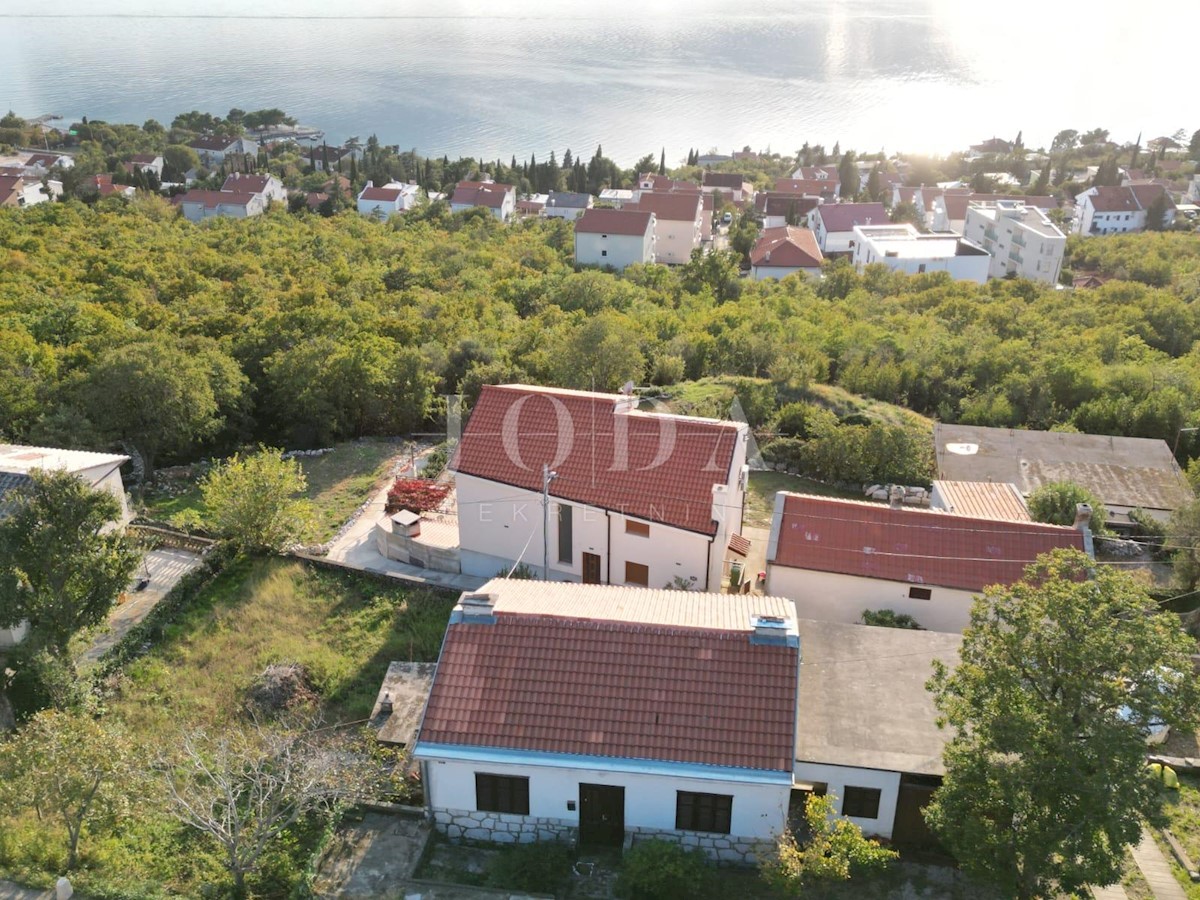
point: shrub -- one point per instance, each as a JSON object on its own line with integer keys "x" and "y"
{"x": 416, "y": 494}
{"x": 542, "y": 868}
{"x": 435, "y": 462}
{"x": 889, "y": 618}
{"x": 661, "y": 870}
{"x": 1054, "y": 503}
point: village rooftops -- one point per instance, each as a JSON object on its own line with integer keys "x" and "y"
{"x": 213, "y": 199}
{"x": 670, "y": 207}
{"x": 956, "y": 202}
{"x": 725, "y": 180}
{"x": 238, "y": 182}
{"x": 1109, "y": 198}
{"x": 618, "y": 672}
{"x": 653, "y": 466}
{"x": 388, "y": 193}
{"x": 614, "y": 221}
{"x": 787, "y": 246}
{"x": 480, "y": 193}
{"x": 981, "y": 499}
{"x": 863, "y": 700}
{"x": 18, "y": 458}
{"x": 568, "y": 200}
{"x": 907, "y": 544}
{"x": 842, "y": 217}
{"x": 775, "y": 203}
{"x": 1029, "y": 216}
{"x": 902, "y": 241}
{"x": 211, "y": 143}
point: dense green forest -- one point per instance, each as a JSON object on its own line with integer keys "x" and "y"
{"x": 124, "y": 323}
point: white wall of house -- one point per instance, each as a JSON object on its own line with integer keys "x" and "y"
{"x": 10, "y": 637}
{"x": 196, "y": 212}
{"x": 758, "y": 810}
{"x": 834, "y": 597}
{"x": 616, "y": 250}
{"x": 759, "y": 273}
{"x": 108, "y": 478}
{"x": 961, "y": 268}
{"x": 675, "y": 239}
{"x": 838, "y": 778}
{"x": 1016, "y": 248}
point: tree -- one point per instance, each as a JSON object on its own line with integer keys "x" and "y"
{"x": 662, "y": 162}
{"x": 1183, "y": 532}
{"x": 718, "y": 271}
{"x": 1065, "y": 141}
{"x": 1108, "y": 173}
{"x": 1137, "y": 149}
{"x": 834, "y": 851}
{"x": 179, "y": 159}
{"x": 1043, "y": 182}
{"x": 251, "y": 501}
{"x": 848, "y": 176}
{"x": 1156, "y": 213}
{"x": 1194, "y": 146}
{"x": 601, "y": 353}
{"x": 1061, "y": 674}
{"x": 75, "y": 768}
{"x": 246, "y": 787}
{"x": 60, "y": 570}
{"x": 1055, "y": 503}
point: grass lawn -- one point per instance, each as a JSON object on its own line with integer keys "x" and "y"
{"x": 338, "y": 483}
{"x": 760, "y": 498}
{"x": 345, "y": 628}
{"x": 1183, "y": 810}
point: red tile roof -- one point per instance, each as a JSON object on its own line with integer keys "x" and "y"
{"x": 956, "y": 203}
{"x": 213, "y": 199}
{"x": 480, "y": 193}
{"x": 144, "y": 159}
{"x": 615, "y": 689}
{"x": 917, "y": 546}
{"x": 664, "y": 473}
{"x": 739, "y": 545}
{"x": 252, "y": 184}
{"x": 839, "y": 217}
{"x": 1148, "y": 193}
{"x": 787, "y": 246}
{"x": 825, "y": 173}
{"x": 666, "y": 185}
{"x": 1114, "y": 199}
{"x": 725, "y": 179}
{"x": 211, "y": 143}
{"x": 45, "y": 160}
{"x": 387, "y": 195}
{"x": 669, "y": 207}
{"x": 614, "y": 221}
{"x": 811, "y": 187}
{"x": 775, "y": 203}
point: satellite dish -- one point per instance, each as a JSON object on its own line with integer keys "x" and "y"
{"x": 627, "y": 388}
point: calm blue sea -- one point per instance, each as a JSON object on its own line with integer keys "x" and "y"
{"x": 507, "y": 77}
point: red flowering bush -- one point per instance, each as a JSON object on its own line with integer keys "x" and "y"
{"x": 416, "y": 495}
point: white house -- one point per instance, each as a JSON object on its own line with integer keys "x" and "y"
{"x": 949, "y": 207}
{"x": 784, "y": 251}
{"x": 775, "y": 208}
{"x": 837, "y": 558}
{"x": 903, "y": 249}
{"x": 834, "y": 223}
{"x": 388, "y": 200}
{"x": 101, "y": 471}
{"x": 1119, "y": 210}
{"x": 147, "y": 162}
{"x": 678, "y": 223}
{"x": 601, "y": 714}
{"x": 1020, "y": 239}
{"x": 22, "y": 191}
{"x": 653, "y": 183}
{"x": 614, "y": 237}
{"x": 267, "y": 186}
{"x": 823, "y": 189}
{"x": 501, "y": 199}
{"x": 213, "y": 150}
{"x": 199, "y": 205}
{"x": 639, "y": 498}
{"x": 737, "y": 185}
{"x": 566, "y": 205}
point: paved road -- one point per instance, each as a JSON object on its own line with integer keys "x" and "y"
{"x": 1154, "y": 866}
{"x": 1112, "y": 892}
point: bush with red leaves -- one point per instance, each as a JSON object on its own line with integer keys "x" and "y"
{"x": 416, "y": 495}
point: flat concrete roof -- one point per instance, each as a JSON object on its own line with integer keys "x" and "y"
{"x": 19, "y": 458}
{"x": 905, "y": 243}
{"x": 863, "y": 701}
{"x": 407, "y": 685}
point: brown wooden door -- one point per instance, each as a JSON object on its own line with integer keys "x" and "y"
{"x": 591, "y": 568}
{"x": 601, "y": 815}
{"x": 910, "y": 829}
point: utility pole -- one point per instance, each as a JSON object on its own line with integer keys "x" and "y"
{"x": 547, "y": 477}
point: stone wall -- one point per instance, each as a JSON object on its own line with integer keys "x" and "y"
{"x": 411, "y": 551}
{"x": 725, "y": 849}
{"x": 501, "y": 828}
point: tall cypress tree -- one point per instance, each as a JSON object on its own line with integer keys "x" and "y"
{"x": 662, "y": 162}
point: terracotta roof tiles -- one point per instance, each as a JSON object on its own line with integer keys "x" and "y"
{"x": 787, "y": 246}
{"x": 839, "y": 217}
{"x": 614, "y": 221}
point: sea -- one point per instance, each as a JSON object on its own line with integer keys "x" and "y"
{"x": 502, "y": 78}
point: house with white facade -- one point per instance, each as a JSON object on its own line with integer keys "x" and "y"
{"x": 388, "y": 200}
{"x": 40, "y": 164}
{"x": 197, "y": 205}
{"x": 1120, "y": 210}
{"x": 652, "y": 182}
{"x": 738, "y": 186}
{"x": 614, "y": 237}
{"x": 834, "y": 224}
{"x": 825, "y": 189}
{"x": 566, "y": 205}
{"x": 100, "y": 471}
{"x": 267, "y": 186}
{"x": 214, "y": 150}
{"x": 647, "y": 499}
{"x": 21, "y": 191}
{"x": 596, "y": 715}
{"x": 775, "y": 208}
{"x": 1020, "y": 239}
{"x": 837, "y": 558}
{"x": 678, "y": 224}
{"x": 902, "y": 248}
{"x": 783, "y": 251}
{"x": 334, "y": 158}
{"x": 151, "y": 163}
{"x": 103, "y": 185}
{"x": 500, "y": 199}
{"x": 949, "y": 207}
{"x": 829, "y": 174}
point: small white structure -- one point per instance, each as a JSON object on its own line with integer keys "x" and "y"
{"x": 392, "y": 198}
{"x": 622, "y": 714}
{"x": 147, "y": 162}
{"x": 267, "y": 186}
{"x": 101, "y": 471}
{"x": 837, "y": 558}
{"x": 904, "y": 249}
{"x": 640, "y": 498}
{"x": 566, "y": 205}
{"x": 784, "y": 251}
{"x": 615, "y": 238}
{"x": 1120, "y": 210}
{"x": 1020, "y": 239}
{"x": 501, "y": 199}
{"x": 678, "y": 223}
{"x": 197, "y": 206}
{"x": 617, "y": 197}
{"x": 834, "y": 224}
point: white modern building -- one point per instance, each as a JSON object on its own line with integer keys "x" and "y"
{"x": 678, "y": 225}
{"x": 646, "y": 499}
{"x": 904, "y": 249}
{"x": 1120, "y": 210}
{"x": 1021, "y": 240}
{"x": 622, "y": 714}
{"x": 615, "y": 238}
{"x": 834, "y": 224}
{"x": 385, "y": 201}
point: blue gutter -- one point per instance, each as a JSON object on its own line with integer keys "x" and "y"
{"x": 462, "y": 753}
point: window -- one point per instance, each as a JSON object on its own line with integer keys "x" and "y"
{"x": 861, "y": 803}
{"x": 641, "y": 529}
{"x": 636, "y": 573}
{"x": 604, "y": 253}
{"x": 502, "y": 794}
{"x": 703, "y": 812}
{"x": 916, "y": 593}
{"x": 566, "y": 521}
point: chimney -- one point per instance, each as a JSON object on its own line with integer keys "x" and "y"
{"x": 385, "y": 705}
{"x": 895, "y": 496}
{"x": 1083, "y": 521}
{"x": 774, "y": 631}
{"x": 475, "y": 609}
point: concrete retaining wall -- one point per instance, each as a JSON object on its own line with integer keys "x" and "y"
{"x": 411, "y": 551}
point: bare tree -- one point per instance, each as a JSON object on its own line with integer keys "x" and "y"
{"x": 246, "y": 787}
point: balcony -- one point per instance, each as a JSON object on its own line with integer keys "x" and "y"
{"x": 990, "y": 233}
{"x": 1015, "y": 256}
{"x": 1018, "y": 240}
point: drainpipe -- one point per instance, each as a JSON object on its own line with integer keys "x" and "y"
{"x": 608, "y": 547}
